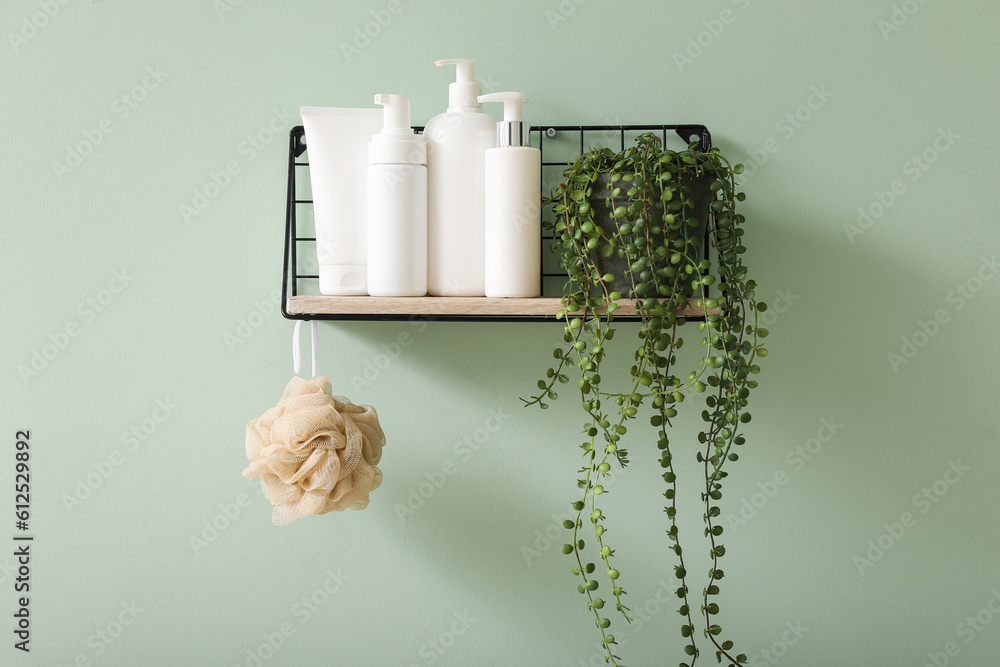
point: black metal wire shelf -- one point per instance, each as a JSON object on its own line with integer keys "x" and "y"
{"x": 559, "y": 145}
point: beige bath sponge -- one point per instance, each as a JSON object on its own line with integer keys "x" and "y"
{"x": 315, "y": 452}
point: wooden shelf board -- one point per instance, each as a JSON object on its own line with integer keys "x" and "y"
{"x": 452, "y": 306}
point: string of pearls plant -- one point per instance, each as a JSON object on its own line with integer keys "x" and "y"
{"x": 654, "y": 201}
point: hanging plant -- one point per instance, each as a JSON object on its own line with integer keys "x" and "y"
{"x": 630, "y": 227}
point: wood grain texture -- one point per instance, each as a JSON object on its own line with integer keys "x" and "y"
{"x": 441, "y": 305}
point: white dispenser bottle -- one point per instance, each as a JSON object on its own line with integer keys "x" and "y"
{"x": 513, "y": 206}
{"x": 457, "y": 142}
{"x": 397, "y": 204}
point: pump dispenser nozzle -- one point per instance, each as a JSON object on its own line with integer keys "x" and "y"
{"x": 511, "y": 131}
{"x": 463, "y": 92}
{"x": 396, "y": 143}
{"x": 396, "y": 114}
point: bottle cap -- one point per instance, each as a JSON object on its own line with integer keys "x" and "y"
{"x": 512, "y": 130}
{"x": 343, "y": 279}
{"x": 463, "y": 92}
{"x": 396, "y": 143}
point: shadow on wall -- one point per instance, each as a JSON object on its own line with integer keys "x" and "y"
{"x": 460, "y": 531}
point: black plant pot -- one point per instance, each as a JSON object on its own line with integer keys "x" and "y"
{"x": 618, "y": 266}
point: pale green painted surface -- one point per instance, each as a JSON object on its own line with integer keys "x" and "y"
{"x": 164, "y": 337}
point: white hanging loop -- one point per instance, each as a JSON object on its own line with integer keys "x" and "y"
{"x": 314, "y": 334}
{"x": 297, "y": 348}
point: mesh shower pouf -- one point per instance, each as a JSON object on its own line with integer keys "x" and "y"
{"x": 315, "y": 452}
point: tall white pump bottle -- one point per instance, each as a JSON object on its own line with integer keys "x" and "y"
{"x": 513, "y": 206}
{"x": 457, "y": 142}
{"x": 397, "y": 204}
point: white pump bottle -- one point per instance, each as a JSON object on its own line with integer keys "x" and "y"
{"x": 513, "y": 206}
{"x": 457, "y": 142}
{"x": 397, "y": 204}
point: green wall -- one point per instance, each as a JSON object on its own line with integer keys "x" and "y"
{"x": 154, "y": 338}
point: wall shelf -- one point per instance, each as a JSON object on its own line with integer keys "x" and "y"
{"x": 559, "y": 144}
{"x": 448, "y": 308}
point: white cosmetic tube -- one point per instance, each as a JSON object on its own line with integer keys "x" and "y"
{"x": 337, "y": 145}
